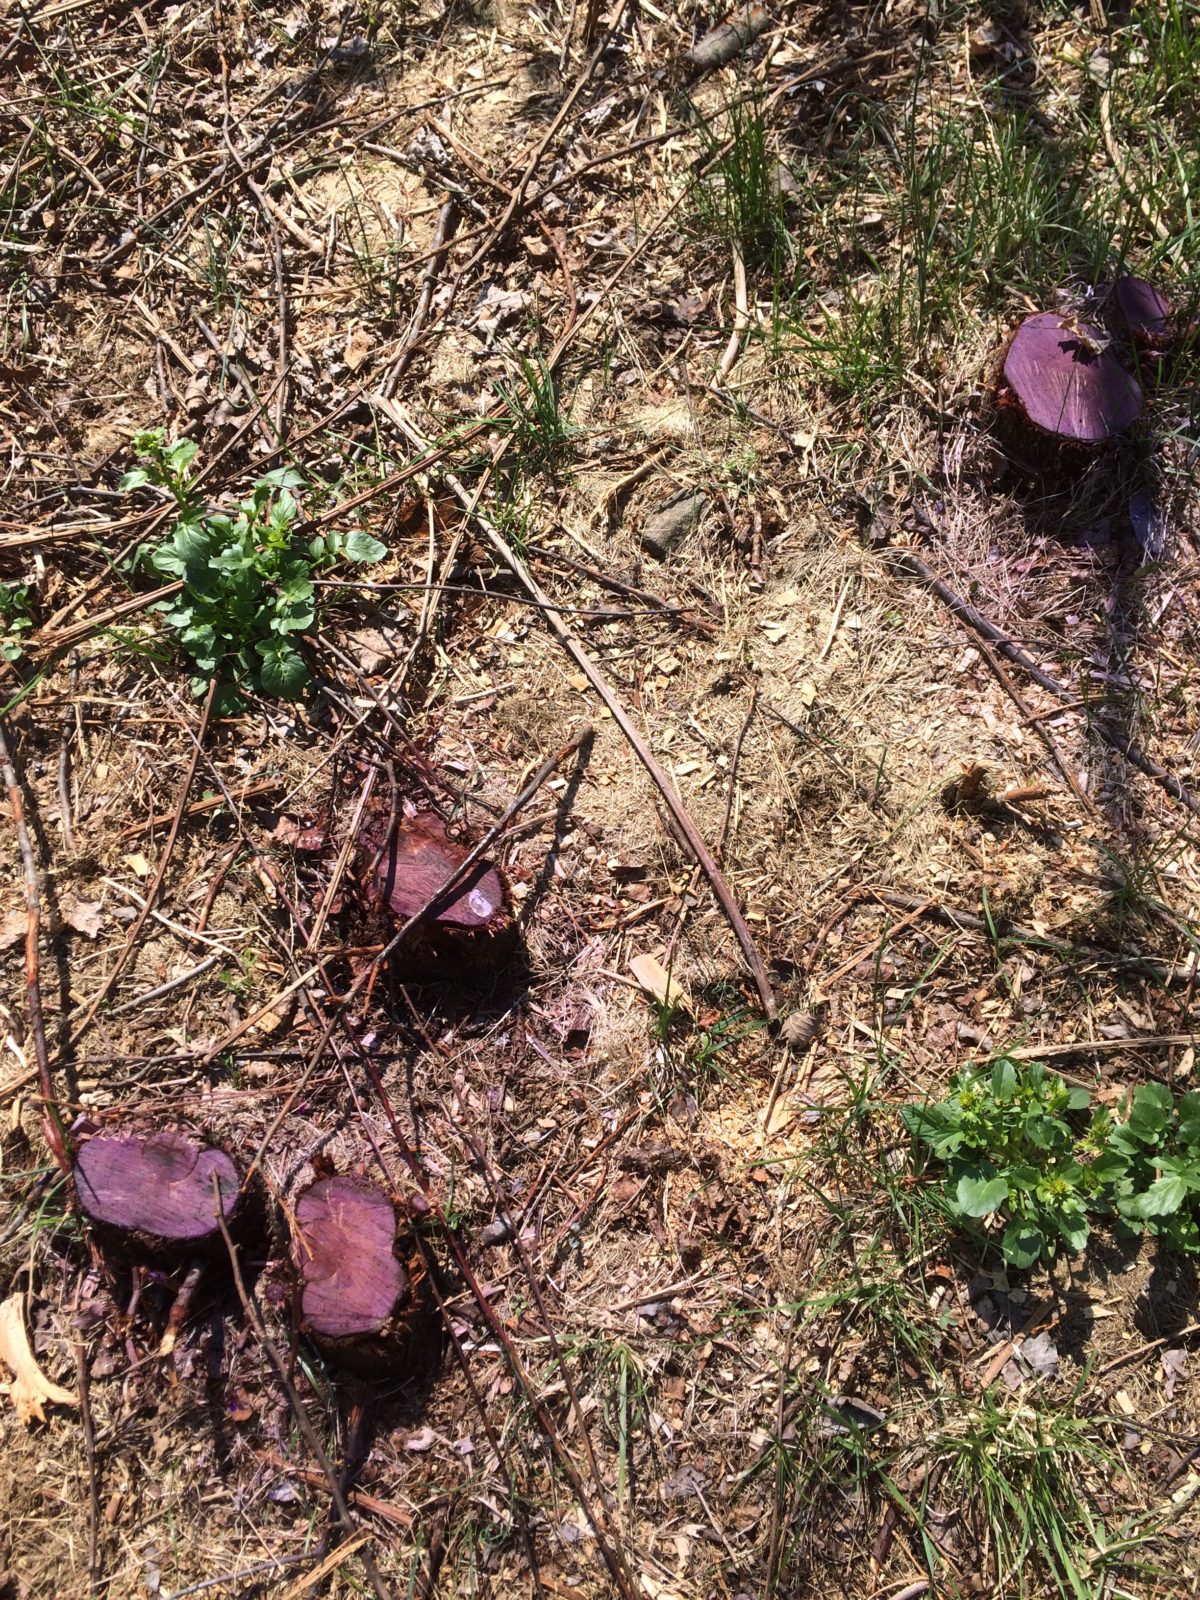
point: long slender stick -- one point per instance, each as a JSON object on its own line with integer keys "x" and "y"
{"x": 51, "y": 1120}
{"x": 621, "y": 717}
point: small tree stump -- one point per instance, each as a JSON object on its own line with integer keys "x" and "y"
{"x": 472, "y": 927}
{"x": 1144, "y": 313}
{"x": 363, "y": 1296}
{"x": 1063, "y": 394}
{"x": 1066, "y": 382}
{"x": 152, "y": 1193}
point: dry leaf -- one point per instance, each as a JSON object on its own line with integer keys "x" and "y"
{"x": 30, "y": 1388}
{"x": 85, "y": 916}
{"x": 137, "y": 863}
{"x": 12, "y": 929}
{"x": 358, "y": 347}
{"x": 656, "y": 980}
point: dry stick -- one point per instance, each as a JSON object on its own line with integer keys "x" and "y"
{"x": 212, "y": 802}
{"x": 518, "y": 194}
{"x": 82, "y": 1377}
{"x": 281, "y": 382}
{"x": 741, "y": 315}
{"x": 257, "y": 405}
{"x": 64, "y": 760}
{"x": 547, "y": 1322}
{"x": 600, "y": 684}
{"x": 156, "y": 884}
{"x": 1145, "y": 1349}
{"x": 1087, "y": 1047}
{"x": 905, "y": 560}
{"x": 441, "y": 240}
{"x": 723, "y": 836}
{"x": 51, "y": 1119}
{"x": 1030, "y": 720}
{"x": 303, "y": 1421}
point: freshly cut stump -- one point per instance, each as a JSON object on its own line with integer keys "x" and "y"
{"x": 360, "y": 1301}
{"x": 1145, "y": 313}
{"x": 472, "y": 927}
{"x": 1064, "y": 390}
{"x": 152, "y": 1193}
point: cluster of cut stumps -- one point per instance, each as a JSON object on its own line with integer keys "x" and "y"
{"x": 173, "y": 1199}
{"x": 1069, "y": 387}
{"x": 358, "y": 1268}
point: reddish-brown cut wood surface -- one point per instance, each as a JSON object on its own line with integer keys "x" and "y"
{"x": 1067, "y": 383}
{"x": 418, "y": 863}
{"x": 1144, "y": 311}
{"x": 345, "y": 1237}
{"x": 158, "y": 1185}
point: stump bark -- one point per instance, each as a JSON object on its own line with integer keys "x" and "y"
{"x": 363, "y": 1285}
{"x": 153, "y": 1193}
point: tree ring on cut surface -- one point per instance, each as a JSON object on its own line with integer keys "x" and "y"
{"x": 362, "y": 1282}
{"x": 471, "y": 925}
{"x": 1062, "y": 379}
{"x": 156, "y": 1193}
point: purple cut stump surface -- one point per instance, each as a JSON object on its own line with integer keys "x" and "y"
{"x": 344, "y": 1249}
{"x": 420, "y": 860}
{"x": 1066, "y": 382}
{"x": 158, "y": 1187}
{"x": 1144, "y": 311}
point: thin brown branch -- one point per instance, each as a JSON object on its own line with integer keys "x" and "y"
{"x": 621, "y": 717}
{"x": 51, "y": 1121}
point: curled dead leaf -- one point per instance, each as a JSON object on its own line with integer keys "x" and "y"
{"x": 30, "y": 1389}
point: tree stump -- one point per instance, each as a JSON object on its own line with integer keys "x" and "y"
{"x": 152, "y": 1193}
{"x": 1145, "y": 314}
{"x": 1063, "y": 394}
{"x": 472, "y": 927}
{"x": 362, "y": 1281}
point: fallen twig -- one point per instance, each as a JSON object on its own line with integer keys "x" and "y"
{"x": 1162, "y": 971}
{"x": 51, "y": 1119}
{"x": 140, "y": 920}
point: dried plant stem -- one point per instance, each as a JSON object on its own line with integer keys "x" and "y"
{"x": 906, "y": 561}
{"x": 51, "y": 1121}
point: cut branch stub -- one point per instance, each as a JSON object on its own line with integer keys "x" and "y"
{"x": 1065, "y": 385}
{"x": 153, "y": 1193}
{"x": 360, "y": 1301}
{"x": 473, "y": 921}
{"x": 1144, "y": 312}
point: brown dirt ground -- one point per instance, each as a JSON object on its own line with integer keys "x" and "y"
{"x": 686, "y": 1190}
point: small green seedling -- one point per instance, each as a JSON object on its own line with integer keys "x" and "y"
{"x": 1010, "y": 1143}
{"x": 1152, "y": 1166}
{"x": 248, "y": 588}
{"x": 16, "y": 619}
{"x": 1013, "y": 1147}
